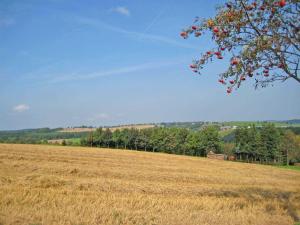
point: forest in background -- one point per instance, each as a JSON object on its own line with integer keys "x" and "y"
{"x": 261, "y": 142}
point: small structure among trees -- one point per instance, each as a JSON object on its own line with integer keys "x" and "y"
{"x": 265, "y": 144}
{"x": 212, "y": 155}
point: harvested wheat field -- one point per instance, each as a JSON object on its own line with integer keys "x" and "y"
{"x": 67, "y": 185}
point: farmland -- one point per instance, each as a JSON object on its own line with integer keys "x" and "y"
{"x": 75, "y": 185}
{"x": 87, "y": 129}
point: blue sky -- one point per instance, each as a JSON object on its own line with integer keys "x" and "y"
{"x": 109, "y": 62}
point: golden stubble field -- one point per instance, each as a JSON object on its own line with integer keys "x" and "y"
{"x": 67, "y": 185}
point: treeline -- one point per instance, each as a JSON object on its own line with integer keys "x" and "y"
{"x": 36, "y": 136}
{"x": 169, "y": 140}
{"x": 267, "y": 144}
{"x": 261, "y": 144}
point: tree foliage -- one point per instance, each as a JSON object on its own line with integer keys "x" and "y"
{"x": 261, "y": 37}
{"x": 256, "y": 144}
{"x": 267, "y": 144}
{"x": 169, "y": 140}
{"x": 290, "y": 146}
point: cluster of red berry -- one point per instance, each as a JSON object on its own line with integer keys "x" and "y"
{"x": 219, "y": 33}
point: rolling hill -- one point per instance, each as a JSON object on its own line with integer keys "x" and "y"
{"x": 74, "y": 185}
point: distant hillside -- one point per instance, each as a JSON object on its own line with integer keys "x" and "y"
{"x": 121, "y": 127}
{"x": 43, "y": 135}
{"x": 227, "y": 124}
{"x": 277, "y": 123}
{"x": 47, "y": 135}
{"x": 35, "y": 136}
{"x": 77, "y": 130}
{"x": 188, "y": 125}
{"x": 295, "y": 121}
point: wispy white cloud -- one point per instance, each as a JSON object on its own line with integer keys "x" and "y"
{"x": 5, "y": 22}
{"x": 115, "y": 71}
{"x": 132, "y": 34}
{"x": 155, "y": 19}
{"x": 121, "y": 10}
{"x": 100, "y": 117}
{"x": 21, "y": 108}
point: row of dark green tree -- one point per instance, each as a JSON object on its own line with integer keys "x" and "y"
{"x": 169, "y": 140}
{"x": 266, "y": 144}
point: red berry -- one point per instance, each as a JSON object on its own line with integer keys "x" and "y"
{"x": 217, "y": 53}
{"x": 220, "y": 57}
{"x": 216, "y": 30}
{"x": 229, "y": 90}
{"x": 208, "y": 53}
{"x": 243, "y": 78}
{"x": 221, "y": 81}
{"x": 194, "y": 27}
{"x": 234, "y": 62}
{"x": 262, "y": 8}
{"x": 222, "y": 49}
{"x": 266, "y": 74}
{"x": 232, "y": 82}
{"x": 282, "y": 3}
{"x": 183, "y": 34}
{"x": 197, "y": 34}
{"x": 193, "y": 66}
{"x": 249, "y": 7}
